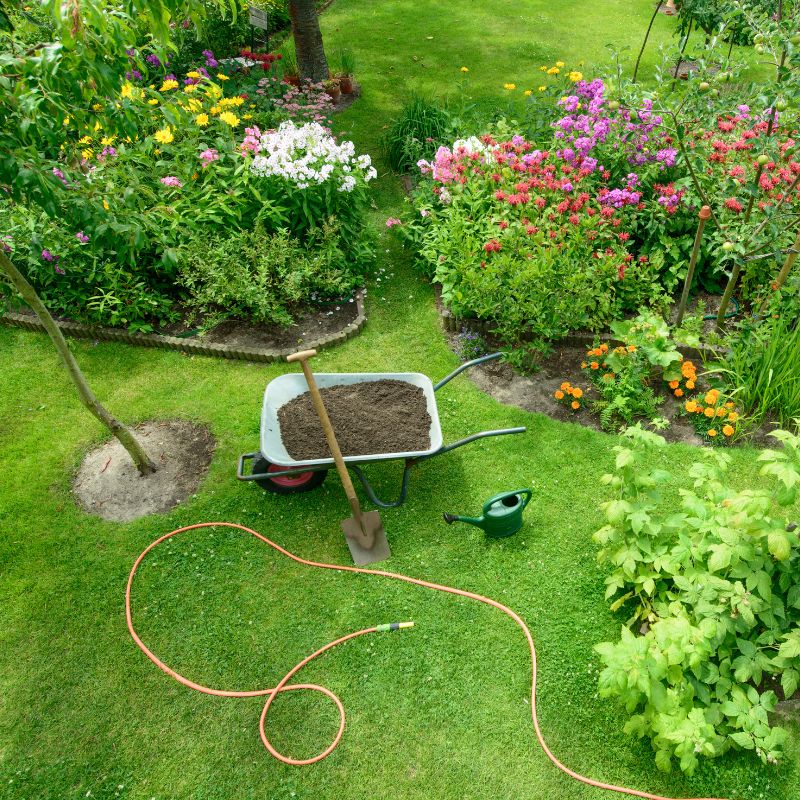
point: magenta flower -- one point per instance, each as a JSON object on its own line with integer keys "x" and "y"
{"x": 48, "y": 256}
{"x": 172, "y": 181}
{"x": 209, "y": 156}
{"x": 60, "y": 175}
{"x": 392, "y": 221}
{"x": 81, "y": 237}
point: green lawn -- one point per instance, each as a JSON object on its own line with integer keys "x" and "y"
{"x": 437, "y": 712}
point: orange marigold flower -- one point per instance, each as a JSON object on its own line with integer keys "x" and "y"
{"x": 604, "y": 348}
{"x": 594, "y": 365}
{"x": 727, "y": 430}
{"x": 631, "y": 348}
{"x": 699, "y": 410}
{"x": 721, "y": 411}
{"x": 673, "y": 384}
{"x": 690, "y": 384}
{"x": 733, "y": 416}
{"x": 679, "y": 393}
{"x": 709, "y": 412}
{"x": 578, "y": 393}
{"x": 608, "y": 377}
{"x": 690, "y": 406}
{"x": 711, "y": 397}
{"x": 584, "y": 365}
{"x": 575, "y": 405}
{"x": 729, "y": 404}
{"x": 712, "y": 432}
{"x": 565, "y": 385}
{"x": 558, "y": 394}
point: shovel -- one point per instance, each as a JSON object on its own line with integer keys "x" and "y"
{"x": 364, "y": 531}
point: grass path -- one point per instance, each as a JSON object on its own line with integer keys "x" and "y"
{"x": 437, "y": 712}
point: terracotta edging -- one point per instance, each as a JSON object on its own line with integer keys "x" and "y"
{"x": 454, "y": 324}
{"x": 79, "y": 330}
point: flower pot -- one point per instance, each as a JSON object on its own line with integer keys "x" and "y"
{"x": 293, "y": 80}
{"x": 334, "y": 93}
{"x": 346, "y": 84}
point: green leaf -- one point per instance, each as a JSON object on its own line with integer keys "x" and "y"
{"x": 663, "y": 760}
{"x": 789, "y": 682}
{"x": 743, "y": 739}
{"x": 779, "y": 546}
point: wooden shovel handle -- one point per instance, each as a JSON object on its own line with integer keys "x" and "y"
{"x": 319, "y": 407}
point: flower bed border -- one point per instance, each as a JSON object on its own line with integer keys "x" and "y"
{"x": 80, "y": 330}
{"x": 454, "y": 324}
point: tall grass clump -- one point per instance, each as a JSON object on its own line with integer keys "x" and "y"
{"x": 417, "y": 133}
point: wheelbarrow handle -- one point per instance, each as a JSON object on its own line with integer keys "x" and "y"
{"x": 481, "y": 360}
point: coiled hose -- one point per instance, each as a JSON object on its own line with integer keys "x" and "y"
{"x": 284, "y": 686}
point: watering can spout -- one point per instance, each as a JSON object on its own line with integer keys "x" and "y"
{"x": 502, "y": 514}
{"x": 450, "y": 518}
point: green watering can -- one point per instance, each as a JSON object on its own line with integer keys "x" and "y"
{"x": 502, "y": 514}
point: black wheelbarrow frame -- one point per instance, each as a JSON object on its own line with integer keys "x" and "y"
{"x": 267, "y": 478}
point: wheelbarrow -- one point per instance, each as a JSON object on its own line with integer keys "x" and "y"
{"x": 275, "y": 470}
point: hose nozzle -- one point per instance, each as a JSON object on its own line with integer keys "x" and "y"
{"x": 393, "y": 626}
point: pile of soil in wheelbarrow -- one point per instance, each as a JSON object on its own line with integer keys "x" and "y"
{"x": 385, "y": 416}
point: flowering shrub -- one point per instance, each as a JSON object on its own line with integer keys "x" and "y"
{"x": 713, "y": 417}
{"x": 569, "y": 396}
{"x": 136, "y": 200}
{"x": 710, "y": 584}
{"x": 517, "y": 236}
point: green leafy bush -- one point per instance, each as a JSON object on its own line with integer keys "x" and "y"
{"x": 421, "y": 127}
{"x": 712, "y": 591}
{"x": 259, "y": 276}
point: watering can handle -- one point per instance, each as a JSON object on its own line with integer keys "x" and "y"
{"x": 526, "y": 498}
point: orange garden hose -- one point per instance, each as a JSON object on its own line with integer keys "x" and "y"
{"x": 284, "y": 686}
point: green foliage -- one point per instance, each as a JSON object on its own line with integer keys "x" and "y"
{"x": 420, "y": 129}
{"x": 714, "y": 591}
{"x": 260, "y": 276}
{"x": 761, "y": 367}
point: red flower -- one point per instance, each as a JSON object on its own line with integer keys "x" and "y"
{"x": 503, "y": 224}
{"x": 492, "y": 246}
{"x": 623, "y": 237}
{"x": 574, "y": 219}
{"x": 541, "y": 202}
{"x": 733, "y": 204}
{"x": 531, "y": 229}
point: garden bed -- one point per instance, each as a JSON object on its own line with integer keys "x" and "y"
{"x": 234, "y": 339}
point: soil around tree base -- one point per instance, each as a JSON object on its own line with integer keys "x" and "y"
{"x": 109, "y": 485}
{"x": 384, "y": 416}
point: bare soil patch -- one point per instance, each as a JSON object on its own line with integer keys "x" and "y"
{"x": 109, "y": 485}
{"x": 385, "y": 416}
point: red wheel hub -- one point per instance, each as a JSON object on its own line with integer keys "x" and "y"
{"x": 276, "y": 476}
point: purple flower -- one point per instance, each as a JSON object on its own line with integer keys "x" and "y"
{"x": 172, "y": 181}
{"x": 133, "y": 75}
{"x": 5, "y": 245}
{"x": 153, "y": 60}
{"x": 81, "y": 237}
{"x": 48, "y": 256}
{"x": 209, "y": 156}
{"x": 131, "y": 52}
{"x": 210, "y": 60}
{"x": 60, "y": 175}
{"x": 567, "y": 186}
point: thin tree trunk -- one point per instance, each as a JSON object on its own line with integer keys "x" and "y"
{"x": 646, "y": 37}
{"x": 140, "y": 458}
{"x": 308, "y": 41}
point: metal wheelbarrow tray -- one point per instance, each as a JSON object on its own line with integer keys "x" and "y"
{"x": 275, "y": 470}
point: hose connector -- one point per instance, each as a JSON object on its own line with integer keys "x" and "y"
{"x": 393, "y": 626}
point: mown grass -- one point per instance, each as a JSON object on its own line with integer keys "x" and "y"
{"x": 439, "y": 711}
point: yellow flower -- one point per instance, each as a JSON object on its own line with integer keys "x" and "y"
{"x": 247, "y": 116}
{"x": 107, "y": 141}
{"x": 527, "y": 93}
{"x": 559, "y": 63}
{"x": 97, "y": 107}
{"x": 87, "y": 154}
{"x": 543, "y": 68}
{"x": 189, "y": 88}
{"x": 193, "y": 74}
{"x": 232, "y": 101}
{"x": 127, "y": 90}
{"x": 167, "y": 85}
{"x": 229, "y": 118}
{"x": 85, "y": 140}
{"x": 152, "y": 101}
{"x": 201, "y": 120}
{"x": 212, "y": 90}
{"x": 164, "y": 136}
{"x": 542, "y": 88}
{"x": 222, "y": 76}
{"x": 252, "y": 105}
{"x": 105, "y": 204}
{"x": 553, "y": 71}
{"x": 575, "y": 76}
{"x": 98, "y": 126}
{"x": 215, "y": 110}
{"x": 465, "y": 69}
{"x": 510, "y": 86}
{"x": 66, "y": 121}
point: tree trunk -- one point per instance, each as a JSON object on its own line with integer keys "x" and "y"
{"x": 311, "y": 59}
{"x": 140, "y": 458}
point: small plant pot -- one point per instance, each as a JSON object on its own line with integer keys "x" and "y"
{"x": 334, "y": 93}
{"x": 293, "y": 80}
{"x": 346, "y": 84}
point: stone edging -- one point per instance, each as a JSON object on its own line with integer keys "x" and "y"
{"x": 454, "y": 324}
{"x": 79, "y": 330}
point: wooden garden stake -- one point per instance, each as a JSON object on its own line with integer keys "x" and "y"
{"x": 791, "y": 257}
{"x": 705, "y": 214}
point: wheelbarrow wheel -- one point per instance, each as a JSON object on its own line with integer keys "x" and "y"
{"x": 287, "y": 484}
